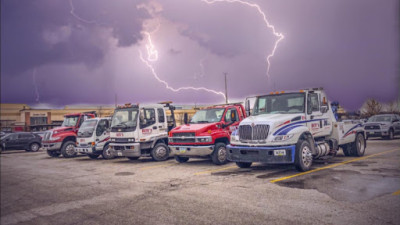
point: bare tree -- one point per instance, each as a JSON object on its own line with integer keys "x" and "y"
{"x": 393, "y": 107}
{"x": 372, "y": 107}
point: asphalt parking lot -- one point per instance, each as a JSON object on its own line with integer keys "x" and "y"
{"x": 37, "y": 189}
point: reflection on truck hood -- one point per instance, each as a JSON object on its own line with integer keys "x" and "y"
{"x": 273, "y": 120}
{"x": 198, "y": 128}
{"x": 62, "y": 129}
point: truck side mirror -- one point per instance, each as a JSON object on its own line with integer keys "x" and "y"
{"x": 247, "y": 107}
{"x": 233, "y": 116}
{"x": 324, "y": 108}
{"x": 185, "y": 118}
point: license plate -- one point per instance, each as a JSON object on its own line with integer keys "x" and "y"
{"x": 119, "y": 153}
{"x": 182, "y": 150}
{"x": 279, "y": 152}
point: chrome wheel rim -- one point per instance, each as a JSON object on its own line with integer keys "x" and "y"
{"x": 161, "y": 152}
{"x": 222, "y": 154}
{"x": 34, "y": 147}
{"x": 306, "y": 156}
{"x": 70, "y": 149}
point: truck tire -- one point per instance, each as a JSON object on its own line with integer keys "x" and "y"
{"x": 93, "y": 156}
{"x": 181, "y": 159}
{"x": 68, "y": 149}
{"x": 133, "y": 158}
{"x": 219, "y": 156}
{"x": 107, "y": 153}
{"x": 53, "y": 154}
{"x": 243, "y": 164}
{"x": 160, "y": 152}
{"x": 303, "y": 156}
{"x": 34, "y": 147}
{"x": 346, "y": 150}
{"x": 357, "y": 148}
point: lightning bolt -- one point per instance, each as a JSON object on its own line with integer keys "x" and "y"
{"x": 153, "y": 71}
{"x": 279, "y": 36}
{"x": 35, "y": 85}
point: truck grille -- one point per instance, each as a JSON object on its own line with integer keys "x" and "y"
{"x": 47, "y": 136}
{"x": 187, "y": 137}
{"x": 253, "y": 133}
{"x": 372, "y": 127}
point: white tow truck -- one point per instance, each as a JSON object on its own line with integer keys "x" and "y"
{"x": 293, "y": 128}
{"x": 142, "y": 130}
{"x": 94, "y": 137}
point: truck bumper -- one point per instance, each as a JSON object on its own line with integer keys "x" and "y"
{"x": 51, "y": 146}
{"x": 87, "y": 150}
{"x": 268, "y": 155}
{"x": 126, "y": 150}
{"x": 188, "y": 151}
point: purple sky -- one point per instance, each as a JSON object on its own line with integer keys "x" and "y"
{"x": 87, "y": 51}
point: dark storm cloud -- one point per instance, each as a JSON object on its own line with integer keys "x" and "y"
{"x": 40, "y": 32}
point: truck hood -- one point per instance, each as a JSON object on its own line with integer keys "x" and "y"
{"x": 273, "y": 120}
{"x": 197, "y": 128}
{"x": 62, "y": 129}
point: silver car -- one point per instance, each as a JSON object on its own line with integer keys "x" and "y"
{"x": 385, "y": 126}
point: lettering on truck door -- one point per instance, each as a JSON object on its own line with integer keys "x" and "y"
{"x": 319, "y": 123}
{"x": 148, "y": 125}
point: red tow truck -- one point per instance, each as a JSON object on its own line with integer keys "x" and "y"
{"x": 207, "y": 133}
{"x": 62, "y": 140}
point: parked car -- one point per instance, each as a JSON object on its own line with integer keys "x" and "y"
{"x": 385, "y": 126}
{"x": 21, "y": 141}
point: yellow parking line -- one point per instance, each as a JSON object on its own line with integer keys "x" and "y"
{"x": 157, "y": 166}
{"x": 331, "y": 166}
{"x": 396, "y": 193}
{"x": 220, "y": 169}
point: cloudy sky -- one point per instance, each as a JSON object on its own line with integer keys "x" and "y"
{"x": 89, "y": 51}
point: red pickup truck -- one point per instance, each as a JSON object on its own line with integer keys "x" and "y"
{"x": 62, "y": 140}
{"x": 207, "y": 133}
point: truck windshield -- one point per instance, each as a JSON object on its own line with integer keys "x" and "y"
{"x": 70, "y": 121}
{"x": 380, "y": 119}
{"x": 87, "y": 128}
{"x": 125, "y": 118}
{"x": 279, "y": 103}
{"x": 207, "y": 116}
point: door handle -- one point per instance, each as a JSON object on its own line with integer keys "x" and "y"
{"x": 155, "y": 127}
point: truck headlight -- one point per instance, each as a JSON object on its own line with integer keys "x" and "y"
{"x": 235, "y": 136}
{"x": 170, "y": 139}
{"x": 112, "y": 139}
{"x": 204, "y": 139}
{"x": 131, "y": 139}
{"x": 283, "y": 137}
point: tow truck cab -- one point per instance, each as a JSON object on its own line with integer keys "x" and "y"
{"x": 207, "y": 133}
{"x": 62, "y": 140}
{"x": 94, "y": 137}
{"x": 141, "y": 130}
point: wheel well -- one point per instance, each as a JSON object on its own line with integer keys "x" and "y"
{"x": 70, "y": 138}
{"x": 307, "y": 136}
{"x": 161, "y": 140}
{"x": 223, "y": 140}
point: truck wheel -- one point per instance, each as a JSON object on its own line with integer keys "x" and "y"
{"x": 160, "y": 152}
{"x": 346, "y": 150}
{"x": 133, "y": 158}
{"x": 391, "y": 134}
{"x": 358, "y": 146}
{"x": 107, "y": 154}
{"x": 53, "y": 154}
{"x": 243, "y": 164}
{"x": 181, "y": 159}
{"x": 219, "y": 155}
{"x": 68, "y": 149}
{"x": 303, "y": 158}
{"x": 34, "y": 147}
{"x": 93, "y": 156}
